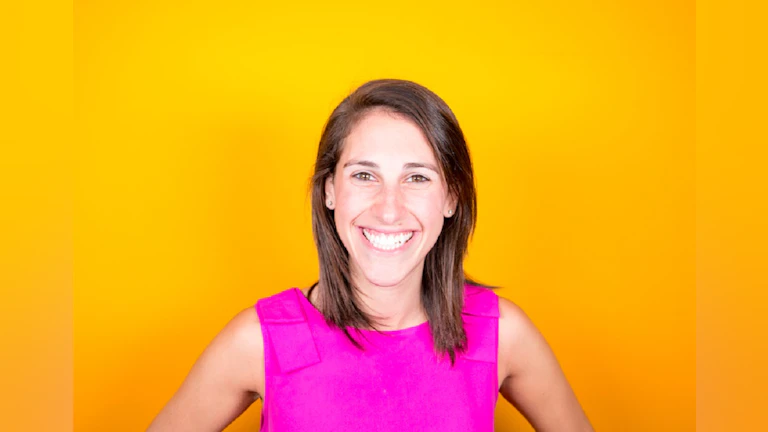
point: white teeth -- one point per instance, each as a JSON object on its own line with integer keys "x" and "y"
{"x": 387, "y": 242}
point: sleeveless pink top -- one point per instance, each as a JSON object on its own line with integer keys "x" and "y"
{"x": 316, "y": 380}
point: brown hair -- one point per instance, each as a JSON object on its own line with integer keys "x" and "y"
{"x": 442, "y": 290}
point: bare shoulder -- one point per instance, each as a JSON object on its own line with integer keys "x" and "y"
{"x": 516, "y": 330}
{"x": 235, "y": 356}
{"x": 521, "y": 344}
{"x": 242, "y": 337}
{"x": 245, "y": 324}
{"x": 512, "y": 318}
{"x": 226, "y": 378}
{"x": 530, "y": 375}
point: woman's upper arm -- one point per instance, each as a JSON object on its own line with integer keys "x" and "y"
{"x": 226, "y": 379}
{"x": 532, "y": 378}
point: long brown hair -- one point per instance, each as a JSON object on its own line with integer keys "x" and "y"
{"x": 442, "y": 289}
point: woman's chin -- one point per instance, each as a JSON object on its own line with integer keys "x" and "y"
{"x": 384, "y": 274}
{"x": 384, "y": 281}
{"x": 384, "y": 277}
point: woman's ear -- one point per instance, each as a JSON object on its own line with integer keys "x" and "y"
{"x": 330, "y": 195}
{"x": 450, "y": 206}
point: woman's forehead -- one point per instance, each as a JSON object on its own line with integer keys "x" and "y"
{"x": 389, "y": 138}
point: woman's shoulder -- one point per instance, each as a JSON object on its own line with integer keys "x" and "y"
{"x": 514, "y": 324}
{"x": 245, "y": 328}
{"x": 241, "y": 341}
{"x": 282, "y": 307}
{"x": 239, "y": 346}
{"x": 513, "y": 321}
{"x": 485, "y": 300}
{"x": 520, "y": 341}
{"x": 480, "y": 300}
{"x": 246, "y": 325}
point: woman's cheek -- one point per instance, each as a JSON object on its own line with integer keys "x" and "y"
{"x": 428, "y": 209}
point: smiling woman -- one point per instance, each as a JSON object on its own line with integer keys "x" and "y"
{"x": 393, "y": 325}
{"x": 394, "y": 132}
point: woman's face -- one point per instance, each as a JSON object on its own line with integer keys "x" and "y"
{"x": 389, "y": 199}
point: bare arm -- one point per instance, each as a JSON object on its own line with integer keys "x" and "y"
{"x": 225, "y": 380}
{"x": 532, "y": 380}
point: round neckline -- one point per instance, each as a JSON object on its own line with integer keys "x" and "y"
{"x": 319, "y": 314}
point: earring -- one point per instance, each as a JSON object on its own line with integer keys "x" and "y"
{"x": 450, "y": 212}
{"x": 330, "y": 203}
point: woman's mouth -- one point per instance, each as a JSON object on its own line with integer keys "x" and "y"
{"x": 387, "y": 242}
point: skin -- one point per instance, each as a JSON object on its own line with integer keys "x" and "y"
{"x": 374, "y": 187}
{"x": 390, "y": 196}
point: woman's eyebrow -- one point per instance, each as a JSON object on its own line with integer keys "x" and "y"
{"x": 369, "y": 164}
{"x": 406, "y": 166}
{"x": 428, "y": 166}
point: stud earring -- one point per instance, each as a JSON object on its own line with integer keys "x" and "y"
{"x": 330, "y": 203}
{"x": 450, "y": 212}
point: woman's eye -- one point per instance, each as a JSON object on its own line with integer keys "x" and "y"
{"x": 363, "y": 176}
{"x": 418, "y": 178}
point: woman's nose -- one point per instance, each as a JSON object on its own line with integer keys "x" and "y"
{"x": 390, "y": 204}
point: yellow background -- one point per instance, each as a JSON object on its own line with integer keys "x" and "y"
{"x": 198, "y": 127}
{"x": 731, "y": 216}
{"x": 36, "y": 217}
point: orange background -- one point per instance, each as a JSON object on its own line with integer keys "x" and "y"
{"x": 731, "y": 217}
{"x": 36, "y": 217}
{"x": 38, "y": 153}
{"x": 199, "y": 128}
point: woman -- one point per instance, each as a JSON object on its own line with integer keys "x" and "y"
{"x": 393, "y": 336}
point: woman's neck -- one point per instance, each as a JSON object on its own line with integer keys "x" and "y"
{"x": 393, "y": 307}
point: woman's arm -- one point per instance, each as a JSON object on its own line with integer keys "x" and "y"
{"x": 532, "y": 378}
{"x": 226, "y": 379}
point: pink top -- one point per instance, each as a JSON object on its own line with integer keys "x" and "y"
{"x": 316, "y": 380}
